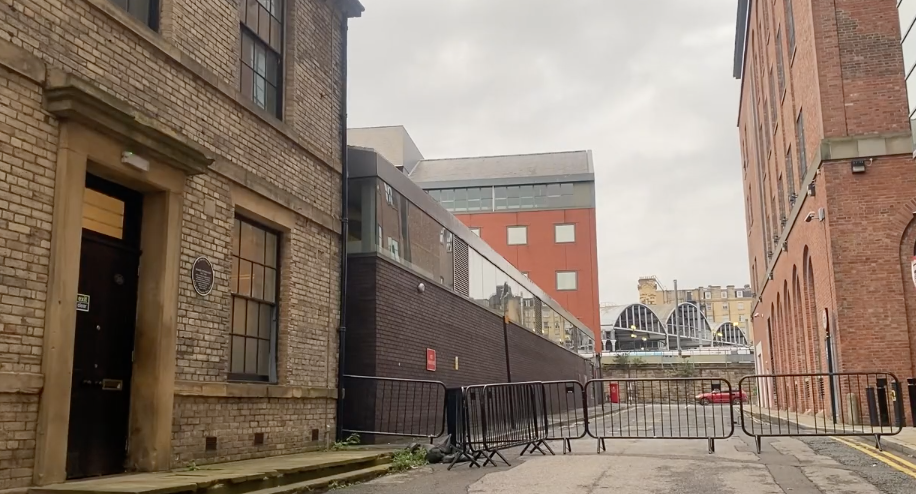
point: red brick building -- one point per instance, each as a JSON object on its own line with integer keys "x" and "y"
{"x": 829, "y": 185}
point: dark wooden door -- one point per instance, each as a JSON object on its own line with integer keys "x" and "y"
{"x": 103, "y": 355}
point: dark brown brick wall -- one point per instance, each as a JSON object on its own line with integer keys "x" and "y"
{"x": 390, "y": 326}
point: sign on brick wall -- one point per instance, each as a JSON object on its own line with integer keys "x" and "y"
{"x": 430, "y": 360}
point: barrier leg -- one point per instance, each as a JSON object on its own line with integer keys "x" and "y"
{"x": 878, "y": 442}
{"x": 525, "y": 450}
{"x": 546, "y": 445}
{"x": 503, "y": 458}
{"x": 757, "y": 443}
{"x": 711, "y": 445}
{"x": 567, "y": 446}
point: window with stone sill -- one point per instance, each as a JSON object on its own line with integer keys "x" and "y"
{"x": 261, "y": 64}
{"x": 146, "y": 11}
{"x": 254, "y": 286}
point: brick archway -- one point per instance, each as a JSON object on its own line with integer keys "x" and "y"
{"x": 907, "y": 254}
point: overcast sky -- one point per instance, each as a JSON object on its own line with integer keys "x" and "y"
{"x": 646, "y": 85}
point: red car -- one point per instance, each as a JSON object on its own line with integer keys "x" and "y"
{"x": 735, "y": 397}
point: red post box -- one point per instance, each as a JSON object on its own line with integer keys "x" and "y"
{"x": 614, "y": 392}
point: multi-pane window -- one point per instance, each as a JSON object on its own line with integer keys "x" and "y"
{"x": 537, "y": 196}
{"x": 739, "y": 294}
{"x": 465, "y": 199}
{"x": 564, "y": 234}
{"x": 254, "y": 285}
{"x": 773, "y": 102}
{"x": 517, "y": 235}
{"x": 790, "y": 26}
{"x": 780, "y": 65}
{"x": 567, "y": 280}
{"x": 790, "y": 174}
{"x": 724, "y": 294}
{"x": 782, "y": 198}
{"x": 534, "y": 196}
{"x": 800, "y": 145}
{"x": 262, "y": 54}
{"x": 707, "y": 295}
{"x": 146, "y": 11}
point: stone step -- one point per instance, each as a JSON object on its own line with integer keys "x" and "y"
{"x": 241, "y": 477}
{"x": 330, "y": 481}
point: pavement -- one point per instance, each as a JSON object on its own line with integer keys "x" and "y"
{"x": 904, "y": 442}
{"x": 658, "y": 464}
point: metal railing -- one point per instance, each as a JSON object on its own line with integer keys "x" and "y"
{"x": 675, "y": 408}
{"x": 393, "y": 407}
{"x": 822, "y": 404}
{"x": 486, "y": 419}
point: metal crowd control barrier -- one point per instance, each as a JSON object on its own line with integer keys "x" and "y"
{"x": 566, "y": 413}
{"x": 676, "y": 408}
{"x": 498, "y": 417}
{"x": 828, "y": 404}
{"x": 393, "y": 407}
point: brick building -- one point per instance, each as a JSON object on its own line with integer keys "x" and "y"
{"x": 420, "y": 280}
{"x": 536, "y": 210}
{"x": 206, "y": 136}
{"x": 829, "y": 186}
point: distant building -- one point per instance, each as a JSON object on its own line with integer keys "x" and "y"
{"x": 536, "y": 210}
{"x": 719, "y": 304}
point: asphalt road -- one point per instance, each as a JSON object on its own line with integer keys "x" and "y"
{"x": 660, "y": 465}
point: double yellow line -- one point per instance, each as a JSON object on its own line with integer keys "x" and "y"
{"x": 888, "y": 459}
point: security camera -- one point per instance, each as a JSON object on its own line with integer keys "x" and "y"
{"x": 810, "y": 217}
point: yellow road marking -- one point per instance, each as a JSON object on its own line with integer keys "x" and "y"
{"x": 902, "y": 461}
{"x": 882, "y": 456}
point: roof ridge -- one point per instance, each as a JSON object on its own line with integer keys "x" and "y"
{"x": 505, "y": 155}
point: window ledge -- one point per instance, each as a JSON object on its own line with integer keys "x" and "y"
{"x": 251, "y": 390}
{"x": 156, "y": 41}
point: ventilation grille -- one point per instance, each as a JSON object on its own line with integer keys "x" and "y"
{"x": 462, "y": 283}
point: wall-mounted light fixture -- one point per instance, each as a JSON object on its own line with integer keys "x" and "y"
{"x": 811, "y": 189}
{"x": 421, "y": 288}
{"x": 858, "y": 166}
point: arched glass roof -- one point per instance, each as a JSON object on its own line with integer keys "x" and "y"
{"x": 682, "y": 326}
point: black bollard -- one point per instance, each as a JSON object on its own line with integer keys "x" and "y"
{"x": 872, "y": 406}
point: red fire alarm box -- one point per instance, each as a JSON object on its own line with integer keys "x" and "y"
{"x": 430, "y": 359}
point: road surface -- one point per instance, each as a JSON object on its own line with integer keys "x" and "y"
{"x": 785, "y": 465}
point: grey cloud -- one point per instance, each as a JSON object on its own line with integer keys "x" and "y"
{"x": 645, "y": 84}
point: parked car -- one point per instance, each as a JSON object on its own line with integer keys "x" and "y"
{"x": 734, "y": 397}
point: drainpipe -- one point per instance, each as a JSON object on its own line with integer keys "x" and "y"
{"x": 344, "y": 227}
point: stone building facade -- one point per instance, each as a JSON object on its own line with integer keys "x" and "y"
{"x": 830, "y": 188}
{"x": 170, "y": 176}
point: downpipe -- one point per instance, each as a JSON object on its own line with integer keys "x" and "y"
{"x": 344, "y": 229}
